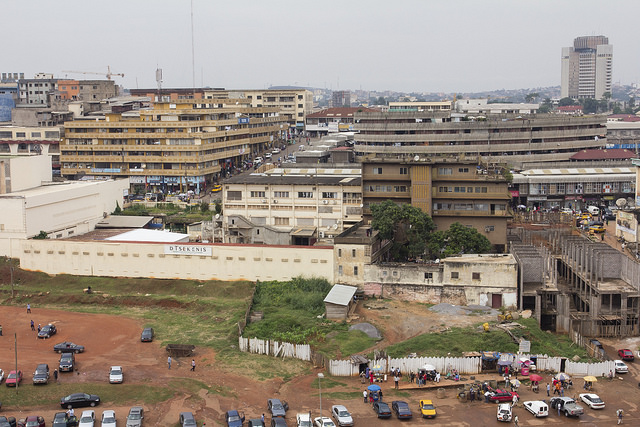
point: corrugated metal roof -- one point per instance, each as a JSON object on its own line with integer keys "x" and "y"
{"x": 340, "y": 294}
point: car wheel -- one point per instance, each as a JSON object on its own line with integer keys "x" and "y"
{"x": 93, "y": 404}
{"x": 566, "y": 413}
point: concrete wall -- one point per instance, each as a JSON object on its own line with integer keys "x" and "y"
{"x": 227, "y": 262}
{"x": 28, "y": 172}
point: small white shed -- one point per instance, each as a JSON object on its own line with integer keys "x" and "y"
{"x": 339, "y": 301}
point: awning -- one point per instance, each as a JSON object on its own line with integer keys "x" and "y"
{"x": 303, "y": 232}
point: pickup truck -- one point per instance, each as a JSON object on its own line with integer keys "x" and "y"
{"x": 567, "y": 405}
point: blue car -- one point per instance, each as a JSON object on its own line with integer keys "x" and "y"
{"x": 234, "y": 418}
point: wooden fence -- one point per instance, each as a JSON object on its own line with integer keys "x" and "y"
{"x": 275, "y": 348}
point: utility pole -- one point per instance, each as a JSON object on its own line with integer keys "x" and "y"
{"x": 15, "y": 346}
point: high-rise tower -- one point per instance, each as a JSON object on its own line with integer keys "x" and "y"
{"x": 587, "y": 68}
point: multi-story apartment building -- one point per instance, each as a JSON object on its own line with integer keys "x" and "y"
{"x": 173, "y": 147}
{"x": 332, "y": 120}
{"x": 624, "y": 134}
{"x": 36, "y": 92}
{"x": 448, "y": 189}
{"x": 420, "y": 106}
{"x": 502, "y": 138}
{"x": 19, "y": 140}
{"x": 586, "y": 68}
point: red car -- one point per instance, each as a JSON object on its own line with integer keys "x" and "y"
{"x": 32, "y": 421}
{"x": 503, "y": 396}
{"x": 13, "y": 379}
{"x": 626, "y": 354}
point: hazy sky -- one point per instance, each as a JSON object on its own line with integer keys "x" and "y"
{"x": 402, "y": 45}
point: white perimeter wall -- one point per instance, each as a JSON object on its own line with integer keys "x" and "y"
{"x": 227, "y": 262}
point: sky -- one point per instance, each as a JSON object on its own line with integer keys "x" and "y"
{"x": 401, "y": 45}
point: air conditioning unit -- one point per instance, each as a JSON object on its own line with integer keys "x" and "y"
{"x": 264, "y": 200}
{"x": 275, "y": 201}
{"x": 334, "y": 202}
{"x": 488, "y": 228}
{"x": 324, "y": 202}
{"x": 321, "y": 234}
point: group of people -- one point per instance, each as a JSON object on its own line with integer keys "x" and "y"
{"x": 372, "y": 395}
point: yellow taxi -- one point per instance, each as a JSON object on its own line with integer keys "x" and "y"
{"x": 427, "y": 409}
{"x": 597, "y": 229}
{"x": 585, "y": 215}
{"x": 216, "y": 188}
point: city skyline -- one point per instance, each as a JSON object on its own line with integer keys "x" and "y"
{"x": 409, "y": 46}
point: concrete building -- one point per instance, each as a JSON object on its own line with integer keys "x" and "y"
{"x": 586, "y": 68}
{"x": 355, "y": 249}
{"x": 36, "y": 92}
{"x": 174, "y": 147}
{"x": 624, "y": 134}
{"x": 8, "y": 94}
{"x": 448, "y": 189}
{"x": 482, "y": 106}
{"x": 311, "y": 204}
{"x": 443, "y": 106}
{"x": 331, "y": 120}
{"x": 503, "y": 138}
{"x": 21, "y": 140}
{"x": 341, "y": 98}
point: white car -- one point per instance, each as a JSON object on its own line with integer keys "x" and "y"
{"x": 342, "y": 416}
{"x": 267, "y": 155}
{"x": 324, "y": 422}
{"x": 303, "y": 420}
{"x": 275, "y": 151}
{"x": 108, "y": 418}
{"x": 87, "y": 419}
{"x": 592, "y": 400}
{"x": 504, "y": 412}
{"x": 115, "y": 375}
{"x": 621, "y": 367}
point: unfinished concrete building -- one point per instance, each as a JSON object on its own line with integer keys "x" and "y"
{"x": 573, "y": 284}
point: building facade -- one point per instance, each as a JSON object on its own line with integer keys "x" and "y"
{"x": 586, "y": 68}
{"x": 448, "y": 189}
{"x": 331, "y": 120}
{"x": 21, "y": 140}
{"x": 175, "y": 147}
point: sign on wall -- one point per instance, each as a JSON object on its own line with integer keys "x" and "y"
{"x": 178, "y": 249}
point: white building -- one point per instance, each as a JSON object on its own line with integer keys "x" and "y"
{"x": 586, "y": 68}
{"x": 482, "y": 106}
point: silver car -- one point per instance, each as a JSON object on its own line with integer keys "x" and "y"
{"x": 135, "y": 417}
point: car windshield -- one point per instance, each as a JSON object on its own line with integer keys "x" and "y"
{"x": 109, "y": 420}
{"x": 427, "y": 406}
{"x": 32, "y": 424}
{"x": 276, "y": 406}
{"x": 595, "y": 399}
{"x": 304, "y": 423}
{"x": 12, "y": 375}
{"x": 234, "y": 418}
{"x": 134, "y": 416}
{"x": 343, "y": 414}
{"x": 86, "y": 419}
{"x": 116, "y": 372}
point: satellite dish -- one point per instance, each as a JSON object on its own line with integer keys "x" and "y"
{"x": 335, "y": 226}
{"x": 416, "y": 158}
{"x": 217, "y": 216}
{"x": 621, "y": 202}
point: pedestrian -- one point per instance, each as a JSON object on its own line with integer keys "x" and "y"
{"x": 262, "y": 418}
{"x": 561, "y": 391}
{"x": 380, "y": 395}
{"x": 55, "y": 375}
{"x": 70, "y": 412}
{"x": 437, "y": 377}
{"x": 0, "y": 330}
{"x": 169, "y": 362}
{"x": 364, "y": 395}
{"x": 395, "y": 380}
{"x": 370, "y": 377}
{"x": 619, "y": 414}
{"x": 515, "y": 421}
{"x": 39, "y": 327}
{"x": 193, "y": 365}
{"x": 472, "y": 394}
{"x": 371, "y": 397}
{"x": 548, "y": 389}
{"x": 28, "y": 308}
{"x": 33, "y": 328}
{"x": 514, "y": 400}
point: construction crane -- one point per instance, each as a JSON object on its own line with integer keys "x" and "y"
{"x": 109, "y": 73}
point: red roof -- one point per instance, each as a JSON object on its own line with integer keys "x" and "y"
{"x": 611, "y": 154}
{"x": 341, "y": 112}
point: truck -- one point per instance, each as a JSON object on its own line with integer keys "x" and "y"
{"x": 567, "y": 405}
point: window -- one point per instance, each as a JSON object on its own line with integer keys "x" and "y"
{"x": 355, "y": 270}
{"x": 299, "y": 105}
{"x": 428, "y": 275}
{"x": 377, "y": 171}
{"x": 353, "y": 253}
{"x": 35, "y": 134}
{"x": 481, "y": 189}
{"x": 281, "y": 221}
{"x": 21, "y": 134}
{"x": 4, "y": 134}
{"x": 404, "y": 171}
{"x": 339, "y": 253}
{"x": 463, "y": 170}
{"x": 258, "y": 194}
{"x": 454, "y": 274}
{"x": 329, "y": 195}
{"x": 339, "y": 270}
{"x": 281, "y": 194}
{"x": 51, "y": 134}
{"x": 305, "y": 194}
{"x": 234, "y": 195}
{"x": 445, "y": 171}
{"x": 475, "y": 276}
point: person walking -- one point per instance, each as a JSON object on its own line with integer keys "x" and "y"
{"x": 619, "y": 414}
{"x": 515, "y": 421}
{"x": 380, "y": 395}
{"x": 169, "y": 362}
{"x": 514, "y": 400}
{"x": 548, "y": 390}
{"x": 39, "y": 327}
{"x": 55, "y": 375}
{"x": 33, "y": 327}
{"x": 364, "y": 395}
{"x": 0, "y": 330}
{"x": 395, "y": 380}
{"x": 193, "y": 365}
{"x": 262, "y": 418}
{"x": 28, "y": 308}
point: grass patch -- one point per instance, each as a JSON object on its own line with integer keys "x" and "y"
{"x": 344, "y": 343}
{"x": 50, "y": 395}
{"x": 262, "y": 367}
{"x": 327, "y": 382}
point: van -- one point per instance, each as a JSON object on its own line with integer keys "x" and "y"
{"x": 537, "y": 407}
{"x": 593, "y": 210}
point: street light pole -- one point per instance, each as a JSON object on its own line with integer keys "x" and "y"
{"x": 320, "y": 377}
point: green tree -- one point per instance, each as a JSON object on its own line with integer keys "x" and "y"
{"x": 590, "y": 106}
{"x": 118, "y": 210}
{"x": 204, "y": 207}
{"x": 566, "y": 101}
{"x": 531, "y": 97}
{"x": 458, "y": 239}
{"x": 407, "y": 226}
{"x": 381, "y": 101}
{"x": 41, "y": 236}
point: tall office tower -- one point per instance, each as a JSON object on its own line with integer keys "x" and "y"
{"x": 586, "y": 68}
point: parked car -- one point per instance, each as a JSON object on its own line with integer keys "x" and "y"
{"x": 504, "y": 412}
{"x": 135, "y": 417}
{"x": 216, "y": 188}
{"x": 62, "y": 419}
{"x": 277, "y": 408}
{"x": 538, "y": 408}
{"x": 592, "y": 400}
{"x": 342, "y": 416}
{"x": 68, "y": 347}
{"x": 597, "y": 228}
{"x": 108, "y": 418}
{"x": 13, "y": 378}
{"x": 303, "y": 420}
{"x": 87, "y": 419}
{"x": 609, "y": 215}
{"x": 234, "y": 418}
{"x": 503, "y": 396}
{"x": 324, "y": 422}
{"x": 147, "y": 335}
{"x": 275, "y": 151}
{"x": 567, "y": 405}
{"x": 67, "y": 362}
{"x": 1, "y": 376}
{"x": 401, "y": 408}
{"x": 32, "y": 421}
{"x": 621, "y": 367}
{"x": 279, "y": 422}
{"x": 626, "y": 354}
{"x": 256, "y": 422}
{"x": 382, "y": 409}
{"x": 187, "y": 420}
{"x": 47, "y": 331}
{"x": 427, "y": 409}
{"x": 115, "y": 375}
{"x": 78, "y": 400}
{"x": 8, "y": 422}
{"x": 41, "y": 374}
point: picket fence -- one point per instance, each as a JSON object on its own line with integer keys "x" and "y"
{"x": 275, "y": 348}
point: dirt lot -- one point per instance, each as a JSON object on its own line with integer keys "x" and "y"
{"x": 115, "y": 340}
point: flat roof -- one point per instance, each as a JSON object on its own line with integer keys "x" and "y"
{"x": 295, "y": 179}
{"x": 124, "y": 221}
{"x": 482, "y": 258}
{"x": 52, "y": 187}
{"x": 340, "y": 294}
{"x": 145, "y": 235}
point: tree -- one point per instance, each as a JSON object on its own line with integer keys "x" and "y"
{"x": 590, "y": 106}
{"x": 531, "y": 97}
{"x": 566, "y": 101}
{"x": 407, "y": 226}
{"x": 381, "y": 101}
{"x": 458, "y": 239}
